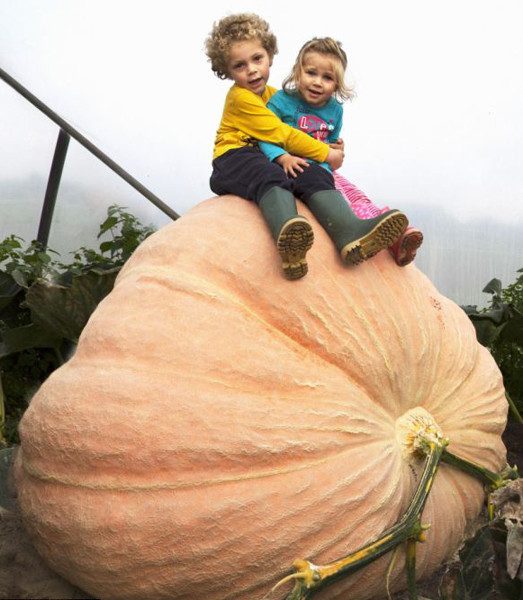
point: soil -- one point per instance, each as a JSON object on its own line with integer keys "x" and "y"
{"x": 24, "y": 575}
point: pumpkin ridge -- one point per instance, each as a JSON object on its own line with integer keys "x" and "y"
{"x": 372, "y": 329}
{"x": 39, "y": 474}
{"x": 476, "y": 367}
{"x": 327, "y": 403}
{"x": 468, "y": 369}
{"x": 352, "y": 524}
{"x": 487, "y": 419}
{"x": 371, "y": 509}
{"x": 369, "y": 329}
{"x": 130, "y": 365}
{"x": 187, "y": 285}
{"x": 431, "y": 365}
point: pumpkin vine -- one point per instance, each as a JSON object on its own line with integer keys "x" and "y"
{"x": 423, "y": 438}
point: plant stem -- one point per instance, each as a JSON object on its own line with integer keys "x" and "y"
{"x": 493, "y": 481}
{"x": 2, "y": 413}
{"x": 59, "y": 356}
{"x": 515, "y": 412}
{"x": 411, "y": 569}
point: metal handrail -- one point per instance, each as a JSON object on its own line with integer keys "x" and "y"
{"x": 61, "y": 149}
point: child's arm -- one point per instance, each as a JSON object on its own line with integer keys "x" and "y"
{"x": 257, "y": 121}
{"x": 271, "y": 151}
{"x": 291, "y": 165}
{"x": 338, "y": 147}
{"x": 334, "y": 141}
{"x": 334, "y": 137}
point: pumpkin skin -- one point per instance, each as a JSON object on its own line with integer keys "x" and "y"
{"x": 218, "y": 421}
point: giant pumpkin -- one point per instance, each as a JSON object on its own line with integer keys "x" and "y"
{"x": 218, "y": 421}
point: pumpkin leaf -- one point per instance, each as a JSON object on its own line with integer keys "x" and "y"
{"x": 6, "y": 455}
{"x": 65, "y": 310}
{"x": 23, "y": 338}
{"x": 486, "y": 331}
{"x": 108, "y": 224}
{"x": 476, "y": 573}
{"x": 494, "y": 286}
{"x": 20, "y": 277}
{"x": 505, "y": 549}
{"x": 489, "y": 565}
{"x": 8, "y": 289}
{"x": 514, "y": 332}
{"x": 514, "y": 548}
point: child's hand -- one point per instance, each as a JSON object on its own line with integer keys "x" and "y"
{"x": 292, "y": 165}
{"x": 335, "y": 158}
{"x": 339, "y": 144}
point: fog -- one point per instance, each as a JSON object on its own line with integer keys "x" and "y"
{"x": 436, "y": 127}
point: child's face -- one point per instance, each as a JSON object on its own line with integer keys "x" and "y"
{"x": 317, "y": 81}
{"x": 249, "y": 65}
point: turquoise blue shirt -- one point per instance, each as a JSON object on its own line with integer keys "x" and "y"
{"x": 322, "y": 123}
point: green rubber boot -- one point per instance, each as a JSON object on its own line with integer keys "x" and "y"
{"x": 292, "y": 232}
{"x": 356, "y": 239}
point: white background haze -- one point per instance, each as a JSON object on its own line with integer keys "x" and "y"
{"x": 436, "y": 128}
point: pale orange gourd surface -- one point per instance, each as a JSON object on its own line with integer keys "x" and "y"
{"x": 218, "y": 421}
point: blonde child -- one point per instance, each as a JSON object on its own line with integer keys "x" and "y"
{"x": 241, "y": 48}
{"x": 311, "y": 101}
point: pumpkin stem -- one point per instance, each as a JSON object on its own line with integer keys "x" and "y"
{"x": 411, "y": 569}
{"x": 515, "y": 412}
{"x": 295, "y": 576}
{"x": 408, "y": 528}
{"x": 493, "y": 481}
{"x": 305, "y": 577}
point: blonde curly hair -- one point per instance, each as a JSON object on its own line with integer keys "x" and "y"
{"x": 236, "y": 28}
{"x": 326, "y": 46}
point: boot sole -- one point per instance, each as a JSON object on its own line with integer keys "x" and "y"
{"x": 410, "y": 243}
{"x": 382, "y": 236}
{"x": 294, "y": 241}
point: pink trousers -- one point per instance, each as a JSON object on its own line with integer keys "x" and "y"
{"x": 405, "y": 248}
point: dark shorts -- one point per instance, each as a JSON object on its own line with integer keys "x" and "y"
{"x": 248, "y": 173}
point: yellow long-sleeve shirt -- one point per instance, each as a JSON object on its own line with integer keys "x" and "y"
{"x": 245, "y": 117}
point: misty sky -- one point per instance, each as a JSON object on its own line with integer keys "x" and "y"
{"x": 437, "y": 120}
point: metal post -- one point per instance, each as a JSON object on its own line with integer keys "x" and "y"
{"x": 55, "y": 175}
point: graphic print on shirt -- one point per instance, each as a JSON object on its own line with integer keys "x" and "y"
{"x": 315, "y": 126}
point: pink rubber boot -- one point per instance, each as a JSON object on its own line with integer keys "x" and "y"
{"x": 404, "y": 249}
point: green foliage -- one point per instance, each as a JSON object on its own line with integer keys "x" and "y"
{"x": 487, "y": 565}
{"x": 126, "y": 232}
{"x": 25, "y": 265}
{"x": 45, "y": 304}
{"x": 500, "y": 328}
